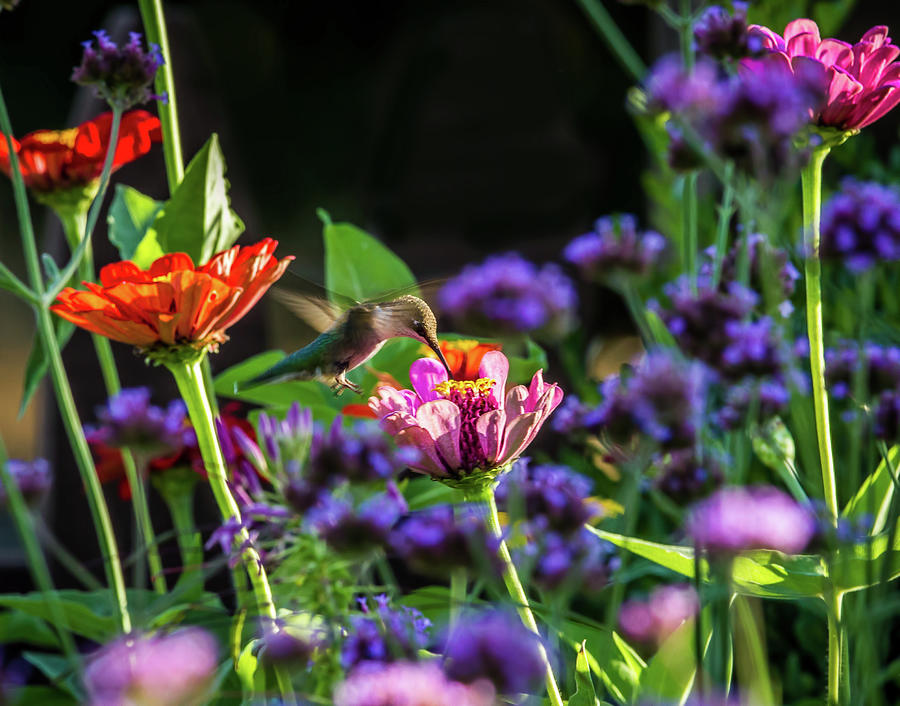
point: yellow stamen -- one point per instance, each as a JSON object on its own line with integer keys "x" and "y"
{"x": 63, "y": 137}
{"x": 481, "y": 386}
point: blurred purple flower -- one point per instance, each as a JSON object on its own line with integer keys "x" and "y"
{"x": 663, "y": 398}
{"x": 615, "y": 246}
{"x": 441, "y": 538}
{"x": 574, "y": 416}
{"x": 508, "y": 294}
{"x": 496, "y": 647}
{"x": 285, "y": 442}
{"x": 155, "y": 670}
{"x": 409, "y": 684}
{"x": 735, "y": 519}
{"x": 546, "y": 497}
{"x": 690, "y": 94}
{"x": 861, "y": 225}
{"x": 568, "y": 562}
{"x": 33, "y": 479}
{"x": 843, "y": 361}
{"x": 358, "y": 530}
{"x": 721, "y": 34}
{"x": 284, "y": 646}
{"x": 684, "y": 477}
{"x": 886, "y": 423}
{"x": 122, "y": 76}
{"x": 384, "y": 634}
{"x": 651, "y": 621}
{"x": 128, "y": 419}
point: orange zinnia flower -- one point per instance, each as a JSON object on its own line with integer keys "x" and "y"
{"x": 53, "y": 160}
{"x": 464, "y": 357}
{"x": 174, "y": 303}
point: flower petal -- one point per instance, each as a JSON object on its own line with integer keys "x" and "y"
{"x": 442, "y": 420}
{"x": 518, "y": 434}
{"x": 490, "y": 426}
{"x": 429, "y": 461}
{"x": 516, "y": 401}
{"x": 495, "y": 365}
{"x": 426, "y": 374}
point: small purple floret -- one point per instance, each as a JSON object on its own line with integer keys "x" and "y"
{"x": 122, "y": 76}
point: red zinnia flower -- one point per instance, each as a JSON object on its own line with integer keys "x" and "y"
{"x": 173, "y": 302}
{"x": 464, "y": 357}
{"x": 862, "y": 79}
{"x": 52, "y": 160}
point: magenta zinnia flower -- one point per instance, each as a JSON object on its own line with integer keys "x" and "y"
{"x": 861, "y": 80}
{"x": 463, "y": 425}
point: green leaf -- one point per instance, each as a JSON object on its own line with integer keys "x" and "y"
{"x": 763, "y": 573}
{"x": 253, "y": 679}
{"x": 80, "y": 609}
{"x": 422, "y": 492}
{"x": 862, "y": 565}
{"x": 659, "y": 330}
{"x": 521, "y": 369}
{"x": 308, "y": 393}
{"x": 37, "y": 364}
{"x": 670, "y": 673}
{"x": 584, "y": 686}
{"x": 359, "y": 266}
{"x": 57, "y": 669}
{"x": 609, "y": 657}
{"x": 198, "y": 218}
{"x": 41, "y": 696}
{"x": 51, "y": 269}
{"x": 875, "y": 494}
{"x": 131, "y": 217}
{"x": 16, "y": 626}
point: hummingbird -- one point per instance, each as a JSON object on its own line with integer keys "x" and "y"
{"x": 348, "y": 338}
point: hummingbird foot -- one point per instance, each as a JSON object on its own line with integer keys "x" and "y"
{"x": 341, "y": 383}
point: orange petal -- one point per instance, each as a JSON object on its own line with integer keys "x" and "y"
{"x": 173, "y": 262}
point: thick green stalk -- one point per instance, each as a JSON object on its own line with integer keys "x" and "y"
{"x": 96, "y": 500}
{"x": 176, "y": 486}
{"x": 835, "y": 650}
{"x": 189, "y": 378}
{"x": 40, "y": 572}
{"x": 485, "y": 497}
{"x": 74, "y": 222}
{"x": 155, "y": 28}
{"x": 812, "y": 201}
{"x": 459, "y": 581}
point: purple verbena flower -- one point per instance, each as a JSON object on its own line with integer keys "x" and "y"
{"x": 358, "y": 530}
{"x": 409, "y": 684}
{"x": 861, "y": 225}
{"x": 128, "y": 419}
{"x": 285, "y": 646}
{"x": 496, "y": 647}
{"x": 33, "y": 478}
{"x": 651, "y": 621}
{"x": 886, "y": 422}
{"x": 615, "y": 247}
{"x": 122, "y": 76}
{"x": 578, "y": 561}
{"x": 736, "y": 519}
{"x": 721, "y": 34}
{"x": 154, "y": 670}
{"x": 508, "y": 294}
{"x": 384, "y": 634}
{"x": 685, "y": 477}
{"x": 843, "y": 361}
{"x": 434, "y": 541}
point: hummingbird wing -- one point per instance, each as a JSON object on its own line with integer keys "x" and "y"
{"x": 319, "y": 313}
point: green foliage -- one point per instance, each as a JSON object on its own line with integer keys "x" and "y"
{"x": 37, "y": 364}
{"x": 670, "y": 673}
{"x": 42, "y": 696}
{"x": 131, "y": 226}
{"x": 584, "y": 686}
{"x": 609, "y": 657}
{"x": 253, "y": 679}
{"x": 828, "y": 14}
{"x": 875, "y": 494}
{"x": 16, "y": 626}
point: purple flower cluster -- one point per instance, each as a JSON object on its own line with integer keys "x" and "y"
{"x": 615, "y": 246}
{"x": 651, "y": 621}
{"x": 684, "y": 476}
{"x": 355, "y": 530}
{"x": 128, "y": 419}
{"x": 122, "y": 76}
{"x": 508, "y": 294}
{"x": 177, "y": 668}
{"x": 735, "y": 519}
{"x": 33, "y": 478}
{"x": 886, "y": 421}
{"x": 383, "y": 634}
{"x": 442, "y": 538}
{"x": 842, "y": 363}
{"x": 550, "y": 506}
{"x": 752, "y": 119}
{"x": 284, "y": 646}
{"x": 861, "y": 225}
{"x": 663, "y": 399}
{"x": 574, "y": 416}
{"x": 409, "y": 684}
{"x": 495, "y": 647}
{"x": 720, "y": 34}
{"x": 765, "y": 261}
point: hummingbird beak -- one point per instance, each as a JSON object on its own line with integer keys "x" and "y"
{"x": 433, "y": 345}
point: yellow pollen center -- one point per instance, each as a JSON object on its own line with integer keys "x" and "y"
{"x": 62, "y": 137}
{"x": 481, "y": 386}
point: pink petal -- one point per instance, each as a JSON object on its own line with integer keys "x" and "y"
{"x": 441, "y": 419}
{"x": 389, "y": 399}
{"x": 490, "y": 426}
{"x": 802, "y": 26}
{"x": 396, "y": 422}
{"x": 870, "y": 71}
{"x": 535, "y": 389}
{"x": 878, "y": 35}
{"x": 519, "y": 433}
{"x": 888, "y": 101}
{"x": 494, "y": 365}
{"x": 549, "y": 401}
{"x": 770, "y": 40}
{"x": 426, "y": 374}
{"x": 804, "y": 44}
{"x": 834, "y": 51}
{"x": 516, "y": 401}
{"x": 429, "y": 461}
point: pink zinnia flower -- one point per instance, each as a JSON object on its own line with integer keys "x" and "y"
{"x": 463, "y": 425}
{"x": 861, "y": 80}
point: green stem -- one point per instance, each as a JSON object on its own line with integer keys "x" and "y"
{"x": 484, "y": 497}
{"x": 189, "y": 378}
{"x": 686, "y": 34}
{"x": 835, "y": 650}
{"x": 636, "y": 308}
{"x": 726, "y": 211}
{"x": 630, "y": 498}
{"x": 689, "y": 235}
{"x": 74, "y": 222}
{"x": 176, "y": 486}
{"x": 155, "y": 28}
{"x": 612, "y": 35}
{"x": 96, "y": 500}
{"x": 40, "y": 572}
{"x": 459, "y": 581}
{"x": 812, "y": 201}
{"x": 68, "y": 561}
